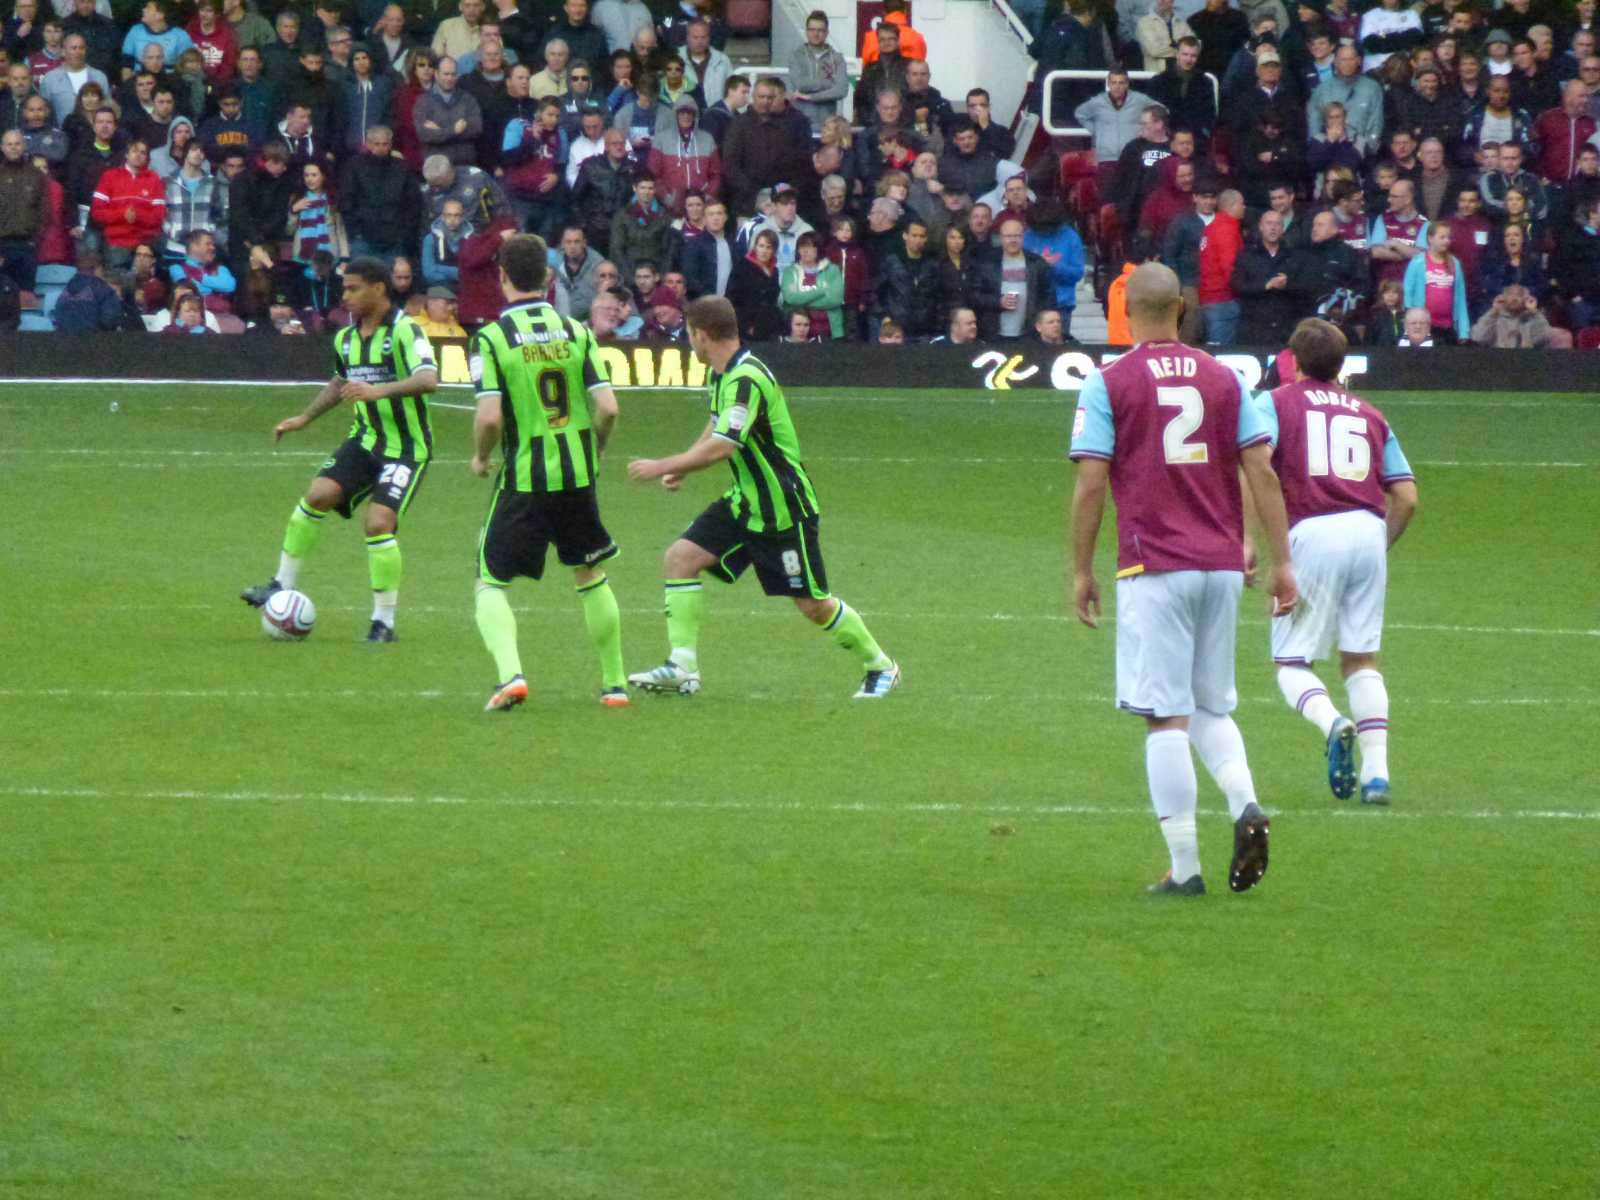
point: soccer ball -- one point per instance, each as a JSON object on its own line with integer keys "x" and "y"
{"x": 288, "y": 616}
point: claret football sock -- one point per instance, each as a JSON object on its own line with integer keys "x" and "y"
{"x": 1369, "y": 705}
{"x": 1172, "y": 791}
{"x": 604, "y": 623}
{"x": 1220, "y": 746}
{"x": 306, "y": 526}
{"x": 1305, "y": 694}
{"x": 498, "y": 626}
{"x": 383, "y": 567}
{"x": 683, "y": 623}
{"x": 850, "y": 631}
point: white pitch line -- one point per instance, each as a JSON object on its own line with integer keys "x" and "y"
{"x": 940, "y": 808}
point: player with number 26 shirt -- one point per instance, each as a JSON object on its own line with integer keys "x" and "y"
{"x": 1169, "y": 429}
{"x": 1350, "y": 494}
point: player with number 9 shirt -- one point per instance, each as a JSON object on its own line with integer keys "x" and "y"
{"x": 544, "y": 399}
{"x": 1350, "y": 494}
{"x": 1169, "y": 429}
{"x": 384, "y": 368}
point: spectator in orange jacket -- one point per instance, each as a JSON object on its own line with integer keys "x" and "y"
{"x": 130, "y": 203}
{"x": 912, "y": 43}
{"x": 1117, "y": 331}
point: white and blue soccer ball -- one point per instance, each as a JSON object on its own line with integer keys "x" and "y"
{"x": 288, "y": 616}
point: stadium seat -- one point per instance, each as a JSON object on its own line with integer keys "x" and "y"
{"x": 749, "y": 17}
{"x": 57, "y": 274}
{"x": 1589, "y": 339}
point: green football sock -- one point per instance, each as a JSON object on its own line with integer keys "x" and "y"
{"x": 498, "y": 625}
{"x": 306, "y": 526}
{"x": 683, "y": 622}
{"x": 383, "y": 567}
{"x": 605, "y": 629}
{"x": 850, "y": 631}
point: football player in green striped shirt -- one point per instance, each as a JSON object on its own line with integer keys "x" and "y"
{"x": 766, "y": 520}
{"x": 383, "y": 367}
{"x": 544, "y": 399}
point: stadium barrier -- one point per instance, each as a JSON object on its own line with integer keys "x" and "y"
{"x": 118, "y": 358}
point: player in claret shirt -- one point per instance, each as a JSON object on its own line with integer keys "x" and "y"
{"x": 1169, "y": 428}
{"x": 1350, "y": 494}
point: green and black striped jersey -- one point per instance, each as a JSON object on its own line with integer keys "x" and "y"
{"x": 543, "y": 366}
{"x": 397, "y": 350}
{"x": 771, "y": 490}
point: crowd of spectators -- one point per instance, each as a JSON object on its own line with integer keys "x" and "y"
{"x": 1424, "y": 174}
{"x": 207, "y": 166}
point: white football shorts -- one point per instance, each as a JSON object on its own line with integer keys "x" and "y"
{"x": 1341, "y": 562}
{"x": 1176, "y": 633}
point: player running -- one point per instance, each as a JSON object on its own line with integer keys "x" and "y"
{"x": 767, "y": 519}
{"x": 1350, "y": 494}
{"x": 544, "y": 398}
{"x": 383, "y": 365}
{"x": 1170, "y": 428}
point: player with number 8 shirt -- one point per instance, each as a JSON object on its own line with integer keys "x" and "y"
{"x": 384, "y": 368}
{"x": 1350, "y": 494}
{"x": 1169, "y": 430}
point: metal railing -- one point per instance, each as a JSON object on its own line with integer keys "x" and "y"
{"x": 1055, "y": 77}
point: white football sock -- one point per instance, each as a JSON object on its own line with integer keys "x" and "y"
{"x": 383, "y": 606}
{"x": 288, "y": 569}
{"x": 1221, "y": 747}
{"x": 1172, "y": 791}
{"x": 1369, "y": 705}
{"x": 1306, "y": 695}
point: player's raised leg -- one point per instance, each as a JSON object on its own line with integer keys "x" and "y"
{"x": 1369, "y": 705}
{"x": 307, "y": 523}
{"x": 681, "y": 566}
{"x": 604, "y": 621}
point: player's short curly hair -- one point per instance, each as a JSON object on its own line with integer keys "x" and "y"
{"x": 1319, "y": 348}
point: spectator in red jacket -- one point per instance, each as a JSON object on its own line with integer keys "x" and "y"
{"x": 685, "y": 160}
{"x": 130, "y": 203}
{"x": 1561, "y": 132}
{"x": 1219, "y": 247}
{"x": 478, "y": 296}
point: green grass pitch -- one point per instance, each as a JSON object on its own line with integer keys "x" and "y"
{"x": 300, "y": 921}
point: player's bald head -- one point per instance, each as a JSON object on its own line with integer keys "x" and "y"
{"x": 1154, "y": 293}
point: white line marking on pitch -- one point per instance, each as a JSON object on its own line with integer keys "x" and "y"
{"x": 763, "y": 806}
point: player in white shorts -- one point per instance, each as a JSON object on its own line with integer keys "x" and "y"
{"x": 1350, "y": 494}
{"x": 1170, "y": 430}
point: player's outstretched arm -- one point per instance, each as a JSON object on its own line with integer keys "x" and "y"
{"x": 1088, "y": 509}
{"x": 1403, "y": 503}
{"x": 1267, "y": 495}
{"x": 326, "y": 399}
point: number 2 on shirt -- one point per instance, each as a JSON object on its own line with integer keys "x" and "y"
{"x": 1339, "y": 445}
{"x": 1191, "y": 411}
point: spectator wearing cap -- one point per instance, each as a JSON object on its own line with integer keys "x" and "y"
{"x": 818, "y": 74}
{"x": 1497, "y": 54}
{"x": 1112, "y": 119}
{"x": 440, "y": 317}
{"x": 1387, "y": 30}
{"x": 1268, "y": 95}
{"x": 1241, "y": 74}
{"x": 783, "y": 222}
{"x": 381, "y": 202}
{"x": 685, "y": 159}
{"x": 641, "y": 231}
{"x": 1425, "y": 110}
{"x": 1360, "y": 96}
{"x": 1158, "y": 33}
